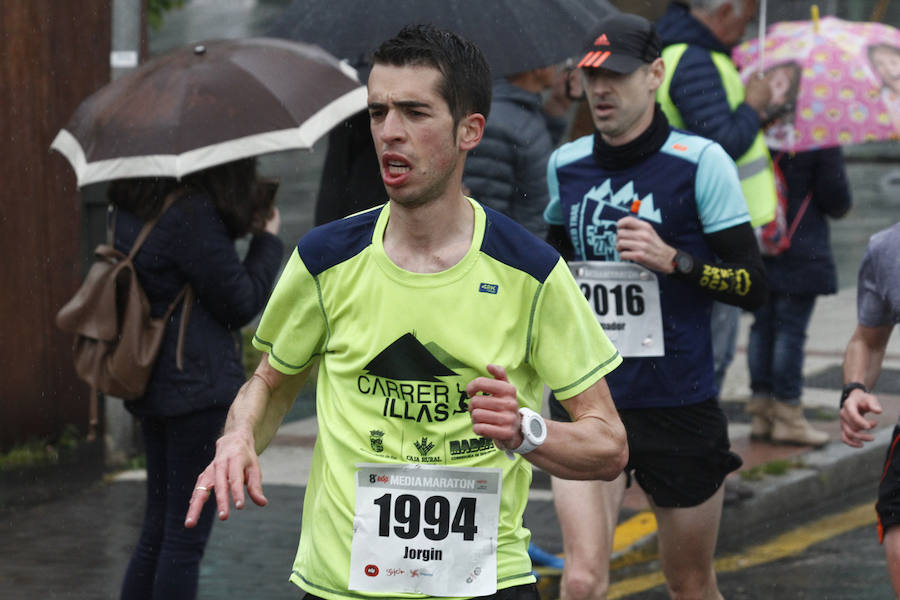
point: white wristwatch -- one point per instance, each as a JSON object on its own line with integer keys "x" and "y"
{"x": 534, "y": 432}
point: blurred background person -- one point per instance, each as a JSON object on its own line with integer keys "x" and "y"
{"x": 508, "y": 169}
{"x": 817, "y": 189}
{"x": 351, "y": 177}
{"x": 183, "y": 410}
{"x": 703, "y": 94}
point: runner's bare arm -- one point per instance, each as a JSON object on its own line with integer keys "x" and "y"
{"x": 253, "y": 420}
{"x": 592, "y": 446}
{"x": 862, "y": 363}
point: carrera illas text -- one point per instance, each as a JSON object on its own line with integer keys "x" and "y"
{"x": 419, "y": 401}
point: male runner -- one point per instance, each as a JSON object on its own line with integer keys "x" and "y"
{"x": 435, "y": 324}
{"x": 651, "y": 208}
{"x": 878, "y": 311}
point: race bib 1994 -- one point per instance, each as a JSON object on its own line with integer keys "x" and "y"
{"x": 425, "y": 529}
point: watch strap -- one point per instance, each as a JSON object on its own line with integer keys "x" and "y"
{"x": 527, "y": 445}
{"x": 849, "y": 387}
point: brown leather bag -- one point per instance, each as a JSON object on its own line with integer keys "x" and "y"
{"x": 116, "y": 340}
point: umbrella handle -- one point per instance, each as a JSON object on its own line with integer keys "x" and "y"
{"x": 762, "y": 37}
{"x": 814, "y": 13}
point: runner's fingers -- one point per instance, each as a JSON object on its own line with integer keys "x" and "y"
{"x": 498, "y": 372}
{"x": 502, "y": 418}
{"x": 856, "y": 421}
{"x": 198, "y": 498}
{"x": 236, "y": 481}
{"x": 853, "y": 435}
{"x": 497, "y": 404}
{"x": 489, "y": 385}
{"x": 254, "y": 485}
{"x": 870, "y": 404}
{"x": 221, "y": 478}
{"x": 501, "y": 434}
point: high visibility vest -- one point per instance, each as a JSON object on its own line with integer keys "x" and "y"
{"x": 755, "y": 165}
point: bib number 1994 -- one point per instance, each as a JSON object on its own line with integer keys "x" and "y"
{"x": 405, "y": 515}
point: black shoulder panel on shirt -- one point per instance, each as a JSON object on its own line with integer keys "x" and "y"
{"x": 331, "y": 244}
{"x": 513, "y": 245}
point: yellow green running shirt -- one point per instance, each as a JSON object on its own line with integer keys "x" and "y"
{"x": 396, "y": 351}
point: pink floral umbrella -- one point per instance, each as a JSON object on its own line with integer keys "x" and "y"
{"x": 834, "y": 82}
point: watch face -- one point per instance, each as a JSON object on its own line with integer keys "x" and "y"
{"x": 535, "y": 427}
{"x": 683, "y": 262}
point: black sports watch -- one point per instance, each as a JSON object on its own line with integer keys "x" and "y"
{"x": 849, "y": 387}
{"x": 683, "y": 263}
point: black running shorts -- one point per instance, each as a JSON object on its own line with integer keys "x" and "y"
{"x": 679, "y": 455}
{"x": 888, "y": 505}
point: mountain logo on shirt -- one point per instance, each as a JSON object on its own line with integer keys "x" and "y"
{"x": 622, "y": 200}
{"x": 407, "y": 359}
{"x": 412, "y": 381}
{"x": 600, "y": 210}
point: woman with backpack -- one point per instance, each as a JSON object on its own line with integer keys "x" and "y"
{"x": 183, "y": 409}
{"x": 817, "y": 188}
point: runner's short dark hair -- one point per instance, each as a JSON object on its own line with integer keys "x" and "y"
{"x": 466, "y": 83}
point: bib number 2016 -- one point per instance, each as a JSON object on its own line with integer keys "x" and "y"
{"x": 404, "y": 516}
{"x": 628, "y": 299}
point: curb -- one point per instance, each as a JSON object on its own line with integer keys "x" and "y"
{"x": 825, "y": 479}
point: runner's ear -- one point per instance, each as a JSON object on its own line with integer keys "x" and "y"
{"x": 470, "y": 130}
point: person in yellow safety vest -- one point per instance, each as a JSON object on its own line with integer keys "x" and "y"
{"x": 703, "y": 93}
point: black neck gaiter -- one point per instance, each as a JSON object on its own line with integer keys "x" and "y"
{"x": 617, "y": 158}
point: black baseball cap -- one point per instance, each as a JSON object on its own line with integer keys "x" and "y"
{"x": 622, "y": 43}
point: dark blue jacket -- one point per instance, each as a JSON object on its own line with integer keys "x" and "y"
{"x": 807, "y": 267}
{"x": 190, "y": 244}
{"x": 507, "y": 171}
{"x": 697, "y": 89}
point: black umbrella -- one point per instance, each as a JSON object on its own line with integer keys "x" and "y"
{"x": 515, "y": 35}
{"x": 206, "y": 104}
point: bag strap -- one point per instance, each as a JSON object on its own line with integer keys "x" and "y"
{"x": 800, "y": 212}
{"x": 186, "y": 294}
{"x": 796, "y": 221}
{"x": 149, "y": 225}
{"x": 182, "y": 328}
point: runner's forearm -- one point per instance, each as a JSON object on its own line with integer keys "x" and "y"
{"x": 590, "y": 448}
{"x": 261, "y": 404}
{"x": 864, "y": 355}
{"x": 740, "y": 278}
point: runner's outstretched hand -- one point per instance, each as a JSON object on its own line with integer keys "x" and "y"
{"x": 853, "y": 422}
{"x": 234, "y": 466}
{"x": 494, "y": 408}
